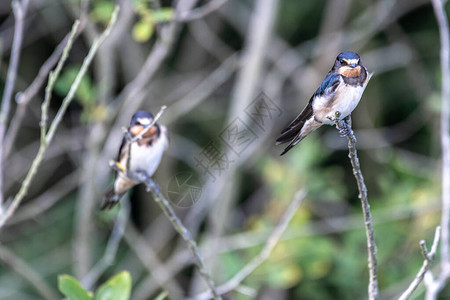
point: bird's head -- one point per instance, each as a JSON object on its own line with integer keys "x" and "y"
{"x": 141, "y": 120}
{"x": 348, "y": 64}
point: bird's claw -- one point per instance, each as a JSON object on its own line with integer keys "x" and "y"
{"x": 344, "y": 130}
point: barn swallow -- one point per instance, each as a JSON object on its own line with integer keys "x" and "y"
{"x": 340, "y": 91}
{"x": 146, "y": 155}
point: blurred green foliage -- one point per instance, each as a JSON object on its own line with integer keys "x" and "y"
{"x": 148, "y": 18}
{"x": 323, "y": 254}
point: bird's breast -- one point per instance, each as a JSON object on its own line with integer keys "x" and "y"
{"x": 146, "y": 157}
{"x": 345, "y": 99}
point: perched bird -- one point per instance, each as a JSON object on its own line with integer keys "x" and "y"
{"x": 146, "y": 155}
{"x": 340, "y": 91}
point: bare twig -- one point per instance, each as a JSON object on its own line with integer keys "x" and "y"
{"x": 272, "y": 240}
{"x": 204, "y": 89}
{"x": 28, "y": 273}
{"x": 130, "y": 97}
{"x": 445, "y": 137}
{"x": 47, "y": 199}
{"x": 434, "y": 286}
{"x": 55, "y": 124}
{"x": 258, "y": 37}
{"x": 19, "y": 9}
{"x": 104, "y": 73}
{"x": 371, "y": 247}
{"x": 200, "y": 12}
{"x": 250, "y": 239}
{"x": 127, "y": 102}
{"x": 52, "y": 80}
{"x": 428, "y": 260}
{"x": 23, "y": 98}
{"x": 147, "y": 255}
{"x": 170, "y": 214}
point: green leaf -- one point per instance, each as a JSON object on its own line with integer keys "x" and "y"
{"x": 116, "y": 288}
{"x": 102, "y": 11}
{"x": 72, "y": 289}
{"x": 142, "y": 31}
{"x": 85, "y": 93}
{"x": 162, "y": 15}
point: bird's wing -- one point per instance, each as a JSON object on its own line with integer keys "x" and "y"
{"x": 292, "y": 132}
{"x": 122, "y": 150}
{"x": 328, "y": 85}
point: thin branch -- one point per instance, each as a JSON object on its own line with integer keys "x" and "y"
{"x": 23, "y": 98}
{"x": 107, "y": 260}
{"x": 445, "y": 136}
{"x": 371, "y": 247}
{"x": 272, "y": 240}
{"x": 434, "y": 286}
{"x": 200, "y": 12}
{"x": 158, "y": 270}
{"x": 179, "y": 227}
{"x": 55, "y": 124}
{"x": 176, "y": 222}
{"x": 19, "y": 9}
{"x": 46, "y": 200}
{"x": 204, "y": 89}
{"x": 428, "y": 260}
{"x": 28, "y": 273}
{"x": 52, "y": 80}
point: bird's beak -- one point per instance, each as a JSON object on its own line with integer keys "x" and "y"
{"x": 352, "y": 65}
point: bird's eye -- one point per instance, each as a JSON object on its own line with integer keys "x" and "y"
{"x": 342, "y": 61}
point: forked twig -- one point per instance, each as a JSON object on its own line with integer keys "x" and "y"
{"x": 428, "y": 259}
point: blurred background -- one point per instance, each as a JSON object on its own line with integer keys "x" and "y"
{"x": 233, "y": 74}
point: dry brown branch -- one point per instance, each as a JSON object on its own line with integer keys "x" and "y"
{"x": 435, "y": 285}
{"x": 371, "y": 247}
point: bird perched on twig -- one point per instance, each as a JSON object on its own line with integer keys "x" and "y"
{"x": 146, "y": 154}
{"x": 340, "y": 91}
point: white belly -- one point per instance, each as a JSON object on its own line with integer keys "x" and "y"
{"x": 347, "y": 100}
{"x": 144, "y": 158}
{"x": 344, "y": 101}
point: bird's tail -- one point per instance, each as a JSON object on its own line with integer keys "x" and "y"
{"x": 294, "y": 140}
{"x": 293, "y": 134}
{"x": 111, "y": 199}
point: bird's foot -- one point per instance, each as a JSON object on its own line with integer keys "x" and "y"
{"x": 344, "y": 128}
{"x": 116, "y": 166}
{"x": 341, "y": 124}
{"x": 148, "y": 181}
{"x": 152, "y": 185}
